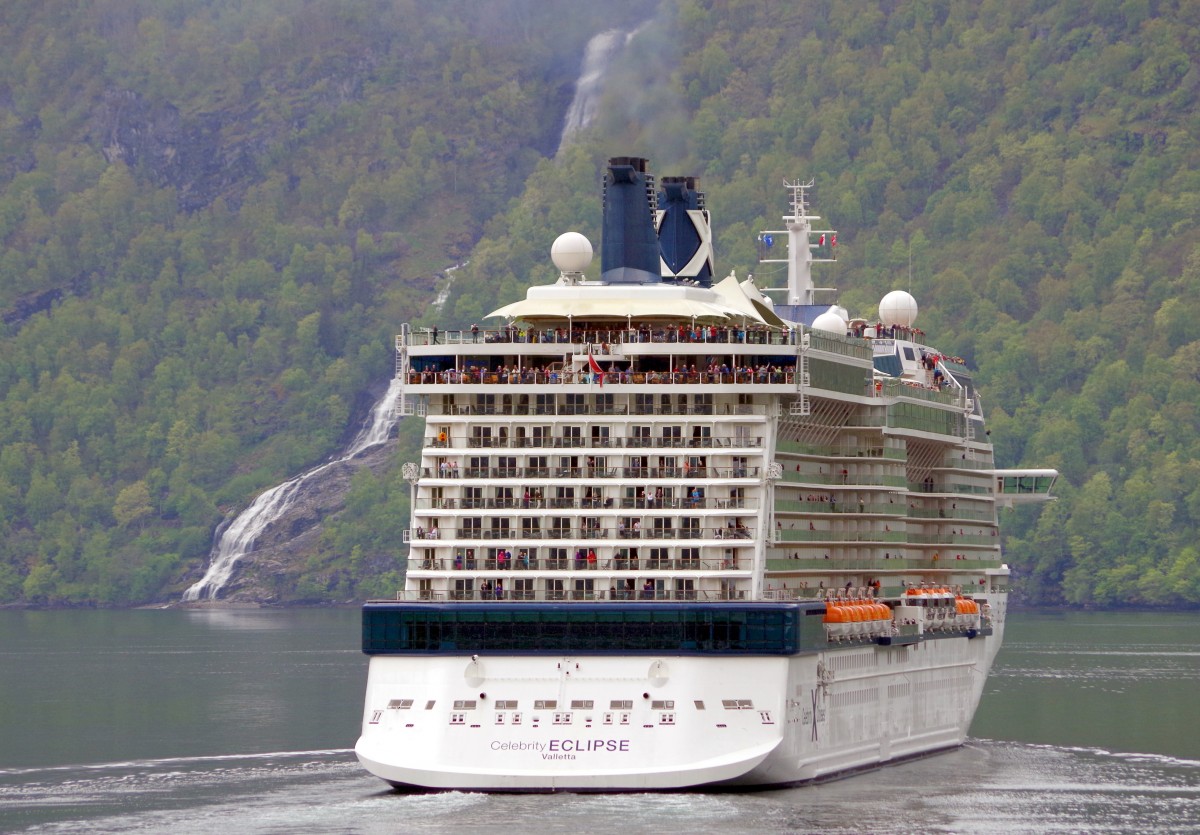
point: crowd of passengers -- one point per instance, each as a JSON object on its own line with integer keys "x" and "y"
{"x": 593, "y": 335}
{"x": 714, "y": 372}
{"x": 489, "y": 590}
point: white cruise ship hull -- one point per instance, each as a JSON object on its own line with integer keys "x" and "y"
{"x": 692, "y": 721}
{"x": 669, "y": 532}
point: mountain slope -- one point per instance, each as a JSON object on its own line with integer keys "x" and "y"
{"x": 213, "y": 215}
{"x": 1027, "y": 169}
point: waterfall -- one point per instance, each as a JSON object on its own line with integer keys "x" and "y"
{"x": 448, "y": 274}
{"x": 238, "y": 539}
{"x": 376, "y": 430}
{"x": 590, "y": 84}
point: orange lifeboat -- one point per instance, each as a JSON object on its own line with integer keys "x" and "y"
{"x": 856, "y": 611}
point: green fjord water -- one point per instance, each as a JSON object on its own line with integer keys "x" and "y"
{"x": 243, "y": 720}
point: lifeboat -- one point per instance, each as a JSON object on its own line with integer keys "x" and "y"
{"x": 837, "y": 619}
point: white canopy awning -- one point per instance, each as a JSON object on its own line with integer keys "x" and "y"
{"x": 734, "y": 295}
{"x": 629, "y": 306}
{"x": 726, "y": 302}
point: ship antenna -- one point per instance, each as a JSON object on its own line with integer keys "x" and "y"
{"x": 799, "y": 224}
{"x": 799, "y": 230}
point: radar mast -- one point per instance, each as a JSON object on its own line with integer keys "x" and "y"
{"x": 801, "y": 246}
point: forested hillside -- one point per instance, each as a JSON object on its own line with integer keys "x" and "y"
{"x": 214, "y": 216}
{"x": 1038, "y": 163}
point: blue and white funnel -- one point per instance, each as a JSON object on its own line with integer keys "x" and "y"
{"x": 684, "y": 233}
{"x": 628, "y": 243}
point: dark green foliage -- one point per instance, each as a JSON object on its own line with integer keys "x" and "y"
{"x": 1038, "y": 162}
{"x": 214, "y": 216}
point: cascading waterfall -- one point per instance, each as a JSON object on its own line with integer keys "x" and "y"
{"x": 239, "y": 537}
{"x": 439, "y": 303}
{"x": 589, "y": 87}
{"x": 376, "y": 430}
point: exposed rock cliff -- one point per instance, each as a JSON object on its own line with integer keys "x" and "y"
{"x": 268, "y": 574}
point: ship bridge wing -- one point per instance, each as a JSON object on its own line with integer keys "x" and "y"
{"x": 1024, "y": 486}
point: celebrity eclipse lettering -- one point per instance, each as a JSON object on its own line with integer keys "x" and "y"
{"x": 564, "y": 749}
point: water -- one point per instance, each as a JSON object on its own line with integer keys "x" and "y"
{"x": 242, "y": 720}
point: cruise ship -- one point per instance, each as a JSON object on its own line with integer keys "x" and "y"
{"x": 671, "y": 530}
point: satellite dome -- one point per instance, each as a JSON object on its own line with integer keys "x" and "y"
{"x": 571, "y": 252}
{"x": 898, "y": 308}
{"x": 830, "y": 322}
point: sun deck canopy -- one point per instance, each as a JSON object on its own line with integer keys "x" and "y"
{"x": 726, "y": 302}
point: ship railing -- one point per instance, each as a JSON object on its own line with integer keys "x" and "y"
{"x": 450, "y": 470}
{"x": 931, "y": 486}
{"x": 952, "y": 514}
{"x": 842, "y": 450}
{"x": 845, "y": 345}
{"x": 917, "y": 391}
{"x": 952, "y": 538}
{"x": 848, "y": 478}
{"x": 583, "y": 338}
{"x": 530, "y": 376}
{"x": 819, "y": 535}
{"x": 562, "y": 410}
{"x": 960, "y": 463}
{"x": 570, "y": 595}
{"x": 673, "y": 503}
{"x": 521, "y": 563}
{"x": 645, "y": 534}
{"x": 892, "y": 561}
{"x": 829, "y": 504}
{"x": 791, "y": 594}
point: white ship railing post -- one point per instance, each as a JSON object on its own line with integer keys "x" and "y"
{"x": 771, "y": 473}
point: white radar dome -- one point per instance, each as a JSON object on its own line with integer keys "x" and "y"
{"x": 571, "y": 252}
{"x": 898, "y": 308}
{"x": 830, "y": 322}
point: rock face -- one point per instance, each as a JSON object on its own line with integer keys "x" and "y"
{"x": 267, "y": 575}
{"x": 206, "y": 155}
{"x": 188, "y": 155}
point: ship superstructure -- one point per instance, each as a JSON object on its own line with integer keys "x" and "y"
{"x": 668, "y": 533}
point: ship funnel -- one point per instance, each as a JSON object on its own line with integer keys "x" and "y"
{"x": 684, "y": 233}
{"x": 628, "y": 243}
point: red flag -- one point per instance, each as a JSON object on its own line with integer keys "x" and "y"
{"x": 833, "y": 242}
{"x": 821, "y": 240}
{"x": 595, "y": 366}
